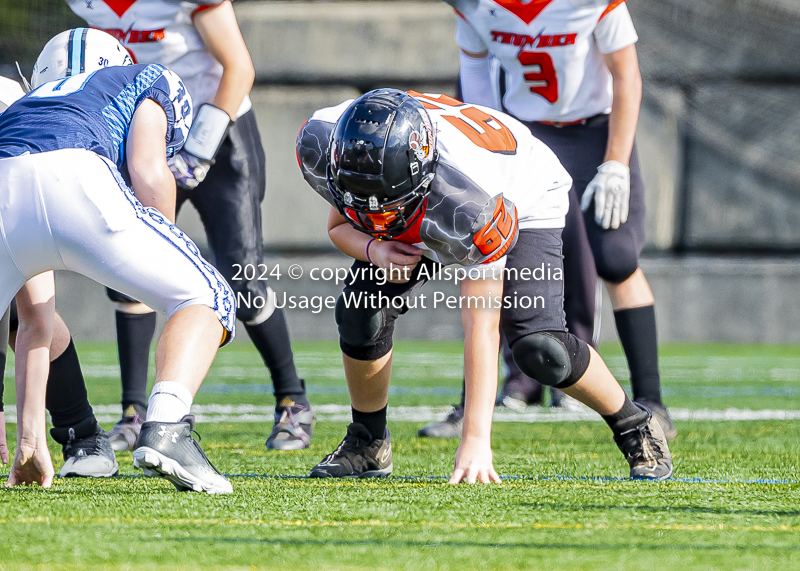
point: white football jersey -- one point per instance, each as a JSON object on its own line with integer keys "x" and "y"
{"x": 161, "y": 31}
{"x": 551, "y": 51}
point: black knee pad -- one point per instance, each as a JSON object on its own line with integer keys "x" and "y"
{"x": 363, "y": 331}
{"x": 554, "y": 358}
{"x": 617, "y": 267}
{"x": 119, "y": 297}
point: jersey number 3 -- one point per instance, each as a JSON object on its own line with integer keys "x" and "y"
{"x": 484, "y": 130}
{"x": 544, "y": 79}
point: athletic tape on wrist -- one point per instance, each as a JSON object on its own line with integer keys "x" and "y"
{"x": 208, "y": 130}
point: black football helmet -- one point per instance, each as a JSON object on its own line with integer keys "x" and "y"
{"x": 381, "y": 162}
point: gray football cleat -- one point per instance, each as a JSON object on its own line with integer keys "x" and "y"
{"x": 358, "y": 456}
{"x": 642, "y": 441}
{"x": 450, "y": 427}
{"x": 125, "y": 433}
{"x": 167, "y": 450}
{"x": 293, "y": 428}
{"x": 87, "y": 451}
{"x": 661, "y": 414}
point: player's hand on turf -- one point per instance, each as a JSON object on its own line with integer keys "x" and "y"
{"x": 611, "y": 190}
{"x": 474, "y": 462}
{"x": 189, "y": 171}
{"x": 398, "y": 258}
{"x": 3, "y": 443}
{"x": 32, "y": 464}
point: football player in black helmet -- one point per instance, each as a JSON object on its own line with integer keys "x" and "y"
{"x": 418, "y": 181}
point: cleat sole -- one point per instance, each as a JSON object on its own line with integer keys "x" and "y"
{"x": 155, "y": 464}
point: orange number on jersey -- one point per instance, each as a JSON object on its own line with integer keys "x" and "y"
{"x": 491, "y": 134}
{"x": 545, "y": 78}
{"x": 491, "y": 236}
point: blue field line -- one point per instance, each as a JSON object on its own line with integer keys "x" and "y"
{"x": 562, "y": 478}
{"x": 542, "y": 478}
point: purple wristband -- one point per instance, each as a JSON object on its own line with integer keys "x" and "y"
{"x": 367, "y": 251}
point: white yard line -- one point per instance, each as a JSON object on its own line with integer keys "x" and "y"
{"x": 218, "y": 413}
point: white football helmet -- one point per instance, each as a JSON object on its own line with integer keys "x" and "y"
{"x": 77, "y": 51}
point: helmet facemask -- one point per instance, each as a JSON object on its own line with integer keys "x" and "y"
{"x": 382, "y": 160}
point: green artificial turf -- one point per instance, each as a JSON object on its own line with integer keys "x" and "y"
{"x": 734, "y": 503}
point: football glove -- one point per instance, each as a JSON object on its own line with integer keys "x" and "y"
{"x": 209, "y": 128}
{"x": 188, "y": 170}
{"x": 611, "y": 190}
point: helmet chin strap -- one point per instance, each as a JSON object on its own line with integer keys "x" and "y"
{"x": 25, "y": 85}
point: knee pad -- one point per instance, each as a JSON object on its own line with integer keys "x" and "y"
{"x": 363, "y": 331}
{"x": 617, "y": 267}
{"x": 256, "y": 313}
{"x": 554, "y": 358}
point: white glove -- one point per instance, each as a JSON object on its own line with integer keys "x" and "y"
{"x": 188, "y": 170}
{"x": 611, "y": 189}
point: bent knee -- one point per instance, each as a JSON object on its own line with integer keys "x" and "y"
{"x": 553, "y": 358}
{"x": 617, "y": 267}
{"x": 358, "y": 326}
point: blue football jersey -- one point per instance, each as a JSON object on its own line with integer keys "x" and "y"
{"x": 93, "y": 111}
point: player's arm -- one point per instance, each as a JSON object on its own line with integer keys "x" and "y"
{"x": 473, "y": 461}
{"x": 151, "y": 179}
{"x": 387, "y": 254}
{"x": 220, "y": 32}
{"x": 36, "y": 309}
{"x": 624, "y": 67}
{"x": 610, "y": 189}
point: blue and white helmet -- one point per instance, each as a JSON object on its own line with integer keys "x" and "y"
{"x": 77, "y": 51}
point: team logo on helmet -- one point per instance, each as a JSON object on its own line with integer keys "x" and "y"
{"x": 419, "y": 143}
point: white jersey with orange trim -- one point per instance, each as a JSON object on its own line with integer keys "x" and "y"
{"x": 161, "y": 31}
{"x": 483, "y": 154}
{"x": 551, "y": 50}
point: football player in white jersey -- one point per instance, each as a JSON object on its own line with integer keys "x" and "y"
{"x": 221, "y": 171}
{"x": 422, "y": 183}
{"x": 70, "y": 139}
{"x": 568, "y": 69}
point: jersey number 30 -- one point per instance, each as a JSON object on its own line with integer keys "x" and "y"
{"x": 486, "y": 131}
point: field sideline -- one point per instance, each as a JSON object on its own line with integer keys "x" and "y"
{"x": 564, "y": 503}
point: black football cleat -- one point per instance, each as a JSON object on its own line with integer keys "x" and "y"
{"x": 642, "y": 441}
{"x": 450, "y": 427}
{"x": 358, "y": 456}
{"x": 167, "y": 450}
{"x": 661, "y": 414}
{"x": 87, "y": 451}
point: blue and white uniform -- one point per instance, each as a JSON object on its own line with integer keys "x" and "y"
{"x": 64, "y": 203}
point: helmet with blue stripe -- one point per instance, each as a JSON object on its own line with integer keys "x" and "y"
{"x": 76, "y": 51}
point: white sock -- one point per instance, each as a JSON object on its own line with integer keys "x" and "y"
{"x": 169, "y": 402}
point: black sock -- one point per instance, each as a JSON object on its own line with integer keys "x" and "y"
{"x": 617, "y": 420}
{"x": 66, "y": 397}
{"x": 374, "y": 421}
{"x": 637, "y": 332}
{"x": 271, "y": 338}
{"x": 134, "y": 335}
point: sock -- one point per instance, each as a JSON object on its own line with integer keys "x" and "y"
{"x": 66, "y": 397}
{"x": 169, "y": 402}
{"x": 617, "y": 420}
{"x": 271, "y": 339}
{"x": 134, "y": 335}
{"x": 637, "y": 332}
{"x": 374, "y": 421}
